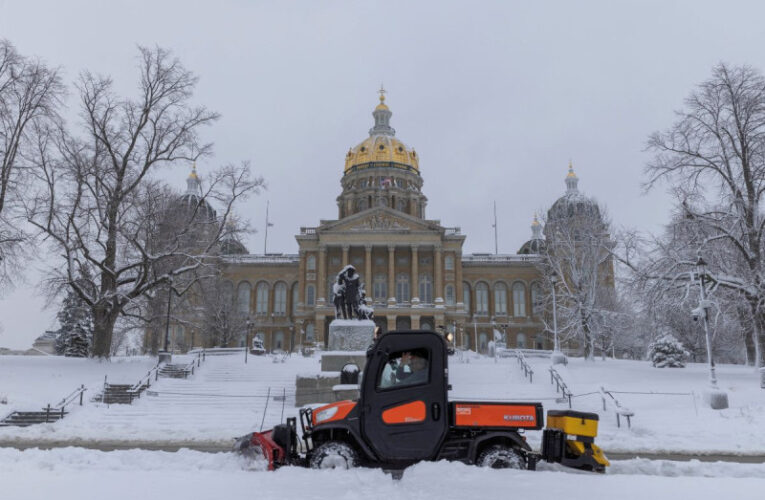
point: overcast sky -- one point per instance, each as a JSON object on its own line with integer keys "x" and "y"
{"x": 496, "y": 97}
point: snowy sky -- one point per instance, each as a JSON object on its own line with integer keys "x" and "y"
{"x": 495, "y": 96}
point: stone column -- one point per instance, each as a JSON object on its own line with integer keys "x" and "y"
{"x": 321, "y": 276}
{"x": 391, "y": 323}
{"x": 345, "y": 255}
{"x": 415, "y": 278}
{"x": 438, "y": 293}
{"x": 301, "y": 281}
{"x": 415, "y": 322}
{"x": 368, "y": 270}
{"x": 458, "y": 281}
{"x": 391, "y": 277}
{"x": 318, "y": 331}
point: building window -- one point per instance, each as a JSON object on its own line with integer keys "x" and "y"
{"x": 449, "y": 293}
{"x": 261, "y": 298}
{"x": 426, "y": 326}
{"x": 520, "y": 341}
{"x": 425, "y": 260}
{"x": 310, "y": 263}
{"x": 483, "y": 342}
{"x": 402, "y": 288}
{"x": 309, "y": 332}
{"x": 362, "y": 204}
{"x": 449, "y": 263}
{"x": 426, "y": 289}
{"x": 295, "y": 298}
{"x": 380, "y": 287}
{"x": 401, "y": 205}
{"x": 278, "y": 341}
{"x": 310, "y": 295}
{"x": 243, "y": 292}
{"x": 482, "y": 298}
{"x": 280, "y": 299}
{"x": 539, "y": 341}
{"x": 402, "y": 260}
{"x": 500, "y": 299}
{"x": 334, "y": 261}
{"x": 536, "y": 299}
{"x": 519, "y": 299}
{"x": 466, "y": 297}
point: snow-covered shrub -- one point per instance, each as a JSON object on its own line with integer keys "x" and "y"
{"x": 667, "y": 352}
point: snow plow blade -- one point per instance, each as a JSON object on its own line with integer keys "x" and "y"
{"x": 277, "y": 446}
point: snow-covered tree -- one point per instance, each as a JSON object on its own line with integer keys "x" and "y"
{"x": 577, "y": 253}
{"x": 76, "y": 332}
{"x": 667, "y": 352}
{"x": 713, "y": 157}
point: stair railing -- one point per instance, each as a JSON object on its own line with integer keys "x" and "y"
{"x": 527, "y": 371}
{"x": 145, "y": 380}
{"x": 560, "y": 385}
{"x": 620, "y": 410}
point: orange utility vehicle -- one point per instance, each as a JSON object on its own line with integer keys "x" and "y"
{"x": 403, "y": 416}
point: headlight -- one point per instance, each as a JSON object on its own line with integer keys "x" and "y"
{"x": 449, "y": 337}
{"x": 325, "y": 414}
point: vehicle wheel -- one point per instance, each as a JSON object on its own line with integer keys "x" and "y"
{"x": 500, "y": 456}
{"x": 334, "y": 455}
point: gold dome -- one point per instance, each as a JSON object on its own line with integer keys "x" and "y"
{"x": 381, "y": 148}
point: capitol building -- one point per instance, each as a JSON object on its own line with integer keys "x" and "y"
{"x": 415, "y": 273}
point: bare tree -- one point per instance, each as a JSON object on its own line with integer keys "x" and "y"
{"x": 29, "y": 96}
{"x": 101, "y": 206}
{"x": 713, "y": 156}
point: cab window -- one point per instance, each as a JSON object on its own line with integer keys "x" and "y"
{"x": 405, "y": 368}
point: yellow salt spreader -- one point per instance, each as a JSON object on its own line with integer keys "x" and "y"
{"x": 569, "y": 439}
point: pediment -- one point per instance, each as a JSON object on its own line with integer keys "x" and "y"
{"x": 378, "y": 220}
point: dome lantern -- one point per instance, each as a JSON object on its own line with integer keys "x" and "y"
{"x": 572, "y": 180}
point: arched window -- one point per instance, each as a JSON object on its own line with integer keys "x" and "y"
{"x": 426, "y": 289}
{"x": 295, "y": 298}
{"x": 261, "y": 298}
{"x": 466, "y": 296}
{"x": 280, "y": 299}
{"x": 520, "y": 341}
{"x": 310, "y": 295}
{"x": 401, "y": 205}
{"x": 243, "y": 292}
{"x": 361, "y": 204}
{"x": 536, "y": 299}
{"x": 310, "y": 263}
{"x": 519, "y": 299}
{"x": 402, "y": 288}
{"x": 426, "y": 326}
{"x": 482, "y": 298}
{"x": 309, "y": 332}
{"x": 449, "y": 263}
{"x": 228, "y": 292}
{"x": 380, "y": 288}
{"x": 449, "y": 293}
{"x": 500, "y": 299}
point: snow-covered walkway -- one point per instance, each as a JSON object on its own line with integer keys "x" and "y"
{"x": 130, "y": 474}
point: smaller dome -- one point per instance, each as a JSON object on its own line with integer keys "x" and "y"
{"x": 232, "y": 246}
{"x": 536, "y": 244}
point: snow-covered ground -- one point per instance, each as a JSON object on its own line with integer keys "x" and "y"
{"x": 227, "y": 398}
{"x": 117, "y": 475}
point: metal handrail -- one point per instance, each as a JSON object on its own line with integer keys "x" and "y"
{"x": 147, "y": 378}
{"x": 618, "y": 408}
{"x": 527, "y": 371}
{"x": 68, "y": 399}
{"x": 560, "y": 385}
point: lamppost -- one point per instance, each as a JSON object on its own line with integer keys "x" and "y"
{"x": 557, "y": 357}
{"x": 716, "y": 398}
{"x": 165, "y": 356}
{"x": 247, "y": 325}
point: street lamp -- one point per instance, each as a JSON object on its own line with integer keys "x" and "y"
{"x": 557, "y": 357}
{"x": 716, "y": 398}
{"x": 247, "y": 324}
{"x": 165, "y": 356}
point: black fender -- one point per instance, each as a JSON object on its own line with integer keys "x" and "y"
{"x": 353, "y": 433}
{"x": 499, "y": 436}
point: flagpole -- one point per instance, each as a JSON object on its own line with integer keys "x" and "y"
{"x": 496, "y": 251}
{"x": 265, "y": 240}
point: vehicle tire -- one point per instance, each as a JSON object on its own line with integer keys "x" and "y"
{"x": 334, "y": 455}
{"x": 500, "y": 456}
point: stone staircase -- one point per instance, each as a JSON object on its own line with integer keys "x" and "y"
{"x": 120, "y": 393}
{"x": 176, "y": 370}
{"x": 27, "y": 418}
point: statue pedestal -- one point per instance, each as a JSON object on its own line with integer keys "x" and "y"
{"x": 350, "y": 334}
